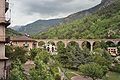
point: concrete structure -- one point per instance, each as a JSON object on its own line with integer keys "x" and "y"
{"x": 23, "y": 41}
{"x": 80, "y": 42}
{"x": 113, "y": 51}
{"x": 4, "y": 6}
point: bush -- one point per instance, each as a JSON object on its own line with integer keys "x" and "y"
{"x": 115, "y": 67}
{"x": 93, "y": 70}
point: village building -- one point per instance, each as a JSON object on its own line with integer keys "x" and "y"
{"x": 23, "y": 41}
{"x": 50, "y": 48}
{"x": 4, "y": 22}
{"x": 113, "y": 51}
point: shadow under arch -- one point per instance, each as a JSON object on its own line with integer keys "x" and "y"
{"x": 86, "y": 45}
{"x": 41, "y": 43}
{"x": 60, "y": 44}
{"x": 110, "y": 44}
{"x": 118, "y": 44}
{"x": 73, "y": 43}
{"x": 51, "y": 42}
{"x": 96, "y": 44}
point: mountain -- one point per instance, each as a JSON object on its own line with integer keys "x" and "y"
{"x": 44, "y": 25}
{"x": 16, "y": 28}
{"x": 103, "y": 23}
{"x": 39, "y": 26}
{"x": 12, "y": 33}
{"x": 87, "y": 12}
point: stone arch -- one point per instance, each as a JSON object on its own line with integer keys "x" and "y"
{"x": 41, "y": 43}
{"x": 60, "y": 44}
{"x": 86, "y": 44}
{"x": 110, "y": 44}
{"x": 73, "y": 43}
{"x": 51, "y": 42}
{"x": 118, "y": 44}
{"x": 96, "y": 44}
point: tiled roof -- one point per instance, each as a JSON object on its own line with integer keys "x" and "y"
{"x": 22, "y": 38}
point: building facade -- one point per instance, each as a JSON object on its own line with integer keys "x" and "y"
{"x": 23, "y": 41}
{"x": 113, "y": 51}
{"x": 4, "y": 64}
{"x": 50, "y": 48}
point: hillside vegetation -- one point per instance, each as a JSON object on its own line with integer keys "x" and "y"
{"x": 104, "y": 23}
{"x": 12, "y": 33}
{"x": 44, "y": 25}
{"x": 38, "y": 26}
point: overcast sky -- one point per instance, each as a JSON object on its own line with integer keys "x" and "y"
{"x": 26, "y": 11}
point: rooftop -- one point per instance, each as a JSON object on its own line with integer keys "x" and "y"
{"x": 22, "y": 39}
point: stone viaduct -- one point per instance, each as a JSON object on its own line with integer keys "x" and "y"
{"x": 79, "y": 41}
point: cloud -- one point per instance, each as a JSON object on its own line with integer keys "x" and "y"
{"x": 50, "y": 8}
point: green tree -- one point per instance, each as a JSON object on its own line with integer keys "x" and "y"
{"x": 42, "y": 70}
{"x": 17, "y": 72}
{"x": 20, "y": 53}
{"x": 93, "y": 70}
{"x": 34, "y": 52}
{"x": 72, "y": 56}
{"x": 9, "y": 51}
{"x": 14, "y": 53}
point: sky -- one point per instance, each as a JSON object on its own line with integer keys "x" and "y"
{"x": 27, "y": 11}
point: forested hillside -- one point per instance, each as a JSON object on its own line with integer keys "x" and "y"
{"x": 12, "y": 33}
{"x": 104, "y": 23}
{"x": 39, "y": 26}
{"x": 44, "y": 25}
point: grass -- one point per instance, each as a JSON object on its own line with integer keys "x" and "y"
{"x": 112, "y": 76}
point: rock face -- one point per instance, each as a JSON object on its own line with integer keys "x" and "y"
{"x": 43, "y": 25}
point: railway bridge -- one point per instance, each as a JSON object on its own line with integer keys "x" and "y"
{"x": 80, "y": 42}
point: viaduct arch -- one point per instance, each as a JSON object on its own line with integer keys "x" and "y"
{"x": 79, "y": 41}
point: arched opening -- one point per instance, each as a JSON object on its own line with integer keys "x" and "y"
{"x": 51, "y": 42}
{"x": 41, "y": 43}
{"x": 118, "y": 43}
{"x": 60, "y": 44}
{"x": 96, "y": 45}
{"x": 86, "y": 45}
{"x": 110, "y": 44}
{"x": 118, "y": 46}
{"x": 73, "y": 43}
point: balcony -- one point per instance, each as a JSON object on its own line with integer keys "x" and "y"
{"x": 5, "y": 21}
{"x": 6, "y": 6}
